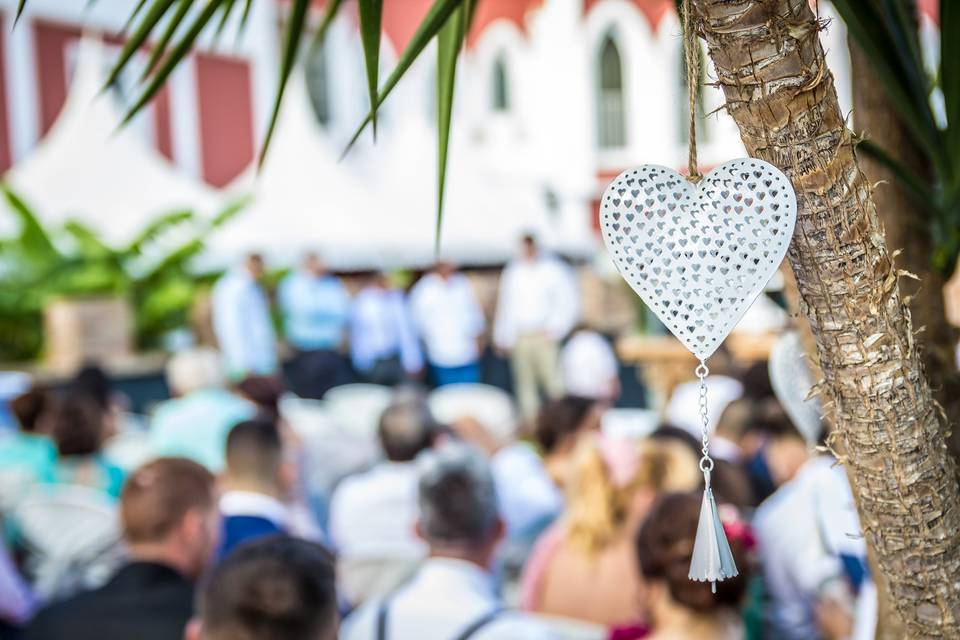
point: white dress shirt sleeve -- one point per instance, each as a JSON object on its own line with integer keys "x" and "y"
{"x": 565, "y": 299}
{"x": 411, "y": 355}
{"x": 504, "y": 325}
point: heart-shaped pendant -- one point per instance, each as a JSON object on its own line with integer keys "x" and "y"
{"x": 699, "y": 254}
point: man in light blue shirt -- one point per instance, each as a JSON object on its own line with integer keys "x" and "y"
{"x": 316, "y": 308}
{"x": 241, "y": 321}
{"x": 195, "y": 423}
{"x": 383, "y": 343}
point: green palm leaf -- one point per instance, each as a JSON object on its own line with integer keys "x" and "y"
{"x": 160, "y": 47}
{"x": 291, "y": 44}
{"x": 154, "y": 15}
{"x": 371, "y": 14}
{"x": 156, "y": 228}
{"x": 35, "y": 244}
{"x": 436, "y": 17}
{"x": 449, "y": 42}
{"x": 170, "y": 63}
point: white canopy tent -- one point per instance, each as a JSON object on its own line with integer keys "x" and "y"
{"x": 87, "y": 169}
{"x": 377, "y": 208}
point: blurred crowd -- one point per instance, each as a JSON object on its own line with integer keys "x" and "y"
{"x": 417, "y": 504}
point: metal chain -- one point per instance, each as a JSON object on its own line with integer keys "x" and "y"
{"x": 706, "y": 462}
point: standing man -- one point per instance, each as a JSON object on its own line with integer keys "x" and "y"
{"x": 536, "y": 308}
{"x": 450, "y": 322}
{"x": 383, "y": 343}
{"x": 241, "y": 321}
{"x": 316, "y": 308}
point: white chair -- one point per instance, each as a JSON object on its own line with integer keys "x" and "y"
{"x": 356, "y": 408}
{"x": 72, "y": 537}
{"x": 491, "y": 406}
{"x": 310, "y": 419}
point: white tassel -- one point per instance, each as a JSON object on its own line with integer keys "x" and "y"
{"x": 712, "y": 559}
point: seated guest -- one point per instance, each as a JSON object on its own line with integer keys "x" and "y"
{"x": 453, "y": 594}
{"x": 581, "y": 566}
{"x": 78, "y": 425}
{"x": 195, "y": 423}
{"x": 170, "y": 523}
{"x": 560, "y": 425}
{"x": 589, "y": 367}
{"x": 277, "y": 588}
{"x": 676, "y": 606}
{"x": 257, "y": 482}
{"x": 372, "y": 514}
{"x": 27, "y": 455}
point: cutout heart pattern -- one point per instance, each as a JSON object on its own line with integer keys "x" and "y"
{"x": 699, "y": 254}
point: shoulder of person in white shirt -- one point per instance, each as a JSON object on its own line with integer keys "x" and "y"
{"x": 459, "y": 520}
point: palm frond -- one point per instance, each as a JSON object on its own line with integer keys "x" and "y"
{"x": 371, "y": 14}
{"x": 178, "y": 53}
{"x": 449, "y": 42}
{"x": 430, "y": 26}
{"x": 291, "y": 44}
{"x": 158, "y": 9}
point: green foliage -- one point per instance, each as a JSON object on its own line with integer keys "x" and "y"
{"x": 886, "y": 30}
{"x": 152, "y": 271}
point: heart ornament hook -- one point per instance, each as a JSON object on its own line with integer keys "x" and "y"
{"x": 699, "y": 254}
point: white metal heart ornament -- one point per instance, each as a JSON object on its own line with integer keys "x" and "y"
{"x": 699, "y": 254}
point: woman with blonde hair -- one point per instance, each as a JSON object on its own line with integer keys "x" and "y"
{"x": 583, "y": 566}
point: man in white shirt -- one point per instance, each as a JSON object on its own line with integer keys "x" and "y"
{"x": 372, "y": 514}
{"x": 383, "y": 344}
{"x": 537, "y": 307}
{"x": 241, "y": 321}
{"x": 449, "y": 320}
{"x": 452, "y": 596}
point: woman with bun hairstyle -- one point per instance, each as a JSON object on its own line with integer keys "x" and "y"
{"x": 677, "y": 607}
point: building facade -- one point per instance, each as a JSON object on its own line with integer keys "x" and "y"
{"x": 566, "y": 93}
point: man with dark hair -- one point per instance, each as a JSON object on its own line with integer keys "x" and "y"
{"x": 460, "y": 523}
{"x": 372, "y": 514}
{"x": 171, "y": 524}
{"x": 537, "y": 307}
{"x": 316, "y": 309}
{"x": 276, "y": 588}
{"x": 258, "y": 480}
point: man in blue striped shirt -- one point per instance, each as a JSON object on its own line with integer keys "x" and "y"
{"x": 315, "y": 307}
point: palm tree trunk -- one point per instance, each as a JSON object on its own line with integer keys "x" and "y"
{"x": 771, "y": 67}
{"x": 907, "y": 226}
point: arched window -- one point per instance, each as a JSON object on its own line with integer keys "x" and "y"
{"x": 683, "y": 125}
{"x": 501, "y": 85}
{"x": 611, "y": 108}
{"x": 318, "y": 84}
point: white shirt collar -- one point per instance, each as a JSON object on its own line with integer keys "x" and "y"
{"x": 447, "y": 572}
{"x": 248, "y": 503}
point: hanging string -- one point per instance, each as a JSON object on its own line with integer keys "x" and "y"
{"x": 691, "y": 54}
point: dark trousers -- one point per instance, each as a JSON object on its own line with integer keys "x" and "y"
{"x": 316, "y": 372}
{"x": 387, "y": 371}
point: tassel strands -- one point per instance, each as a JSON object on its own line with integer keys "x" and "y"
{"x": 712, "y": 559}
